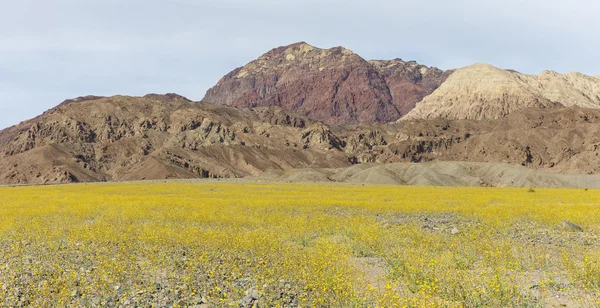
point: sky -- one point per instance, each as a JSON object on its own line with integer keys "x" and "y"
{"x": 54, "y": 50}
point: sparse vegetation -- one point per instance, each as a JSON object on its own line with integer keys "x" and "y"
{"x": 280, "y": 245}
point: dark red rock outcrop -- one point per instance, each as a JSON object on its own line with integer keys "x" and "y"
{"x": 409, "y": 82}
{"x": 335, "y": 86}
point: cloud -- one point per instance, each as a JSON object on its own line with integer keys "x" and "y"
{"x": 53, "y": 50}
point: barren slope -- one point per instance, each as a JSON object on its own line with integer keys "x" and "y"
{"x": 335, "y": 86}
{"x": 481, "y": 91}
{"x": 167, "y": 136}
{"x": 156, "y": 137}
{"x": 438, "y": 174}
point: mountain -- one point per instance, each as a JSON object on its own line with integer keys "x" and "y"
{"x": 409, "y": 82}
{"x": 481, "y": 91}
{"x": 305, "y": 112}
{"x": 335, "y": 86}
{"x": 167, "y": 136}
{"x": 563, "y": 140}
{"x": 157, "y": 137}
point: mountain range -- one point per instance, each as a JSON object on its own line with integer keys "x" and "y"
{"x": 299, "y": 107}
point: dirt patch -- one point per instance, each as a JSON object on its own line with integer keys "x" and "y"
{"x": 374, "y": 270}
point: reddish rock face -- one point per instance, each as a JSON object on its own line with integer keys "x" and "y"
{"x": 409, "y": 82}
{"x": 335, "y": 86}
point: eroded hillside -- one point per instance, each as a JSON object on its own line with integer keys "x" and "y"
{"x": 168, "y": 136}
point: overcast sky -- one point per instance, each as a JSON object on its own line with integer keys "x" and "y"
{"x": 59, "y": 49}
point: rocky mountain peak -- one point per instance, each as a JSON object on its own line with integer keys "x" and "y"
{"x": 482, "y": 91}
{"x": 335, "y": 85}
{"x": 297, "y": 56}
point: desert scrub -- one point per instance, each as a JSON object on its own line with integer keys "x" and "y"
{"x": 279, "y": 245}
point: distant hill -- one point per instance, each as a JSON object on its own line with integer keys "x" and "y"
{"x": 481, "y": 91}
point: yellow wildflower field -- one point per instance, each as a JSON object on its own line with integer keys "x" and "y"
{"x": 214, "y": 244}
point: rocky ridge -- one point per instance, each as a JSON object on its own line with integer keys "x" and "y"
{"x": 481, "y": 91}
{"x": 167, "y": 136}
{"x": 157, "y": 137}
{"x": 301, "y": 107}
{"x": 334, "y": 86}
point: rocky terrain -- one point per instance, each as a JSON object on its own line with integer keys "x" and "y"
{"x": 301, "y": 107}
{"x": 481, "y": 91}
{"x": 157, "y": 137}
{"x": 167, "y": 136}
{"x": 334, "y": 86}
{"x": 438, "y": 173}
